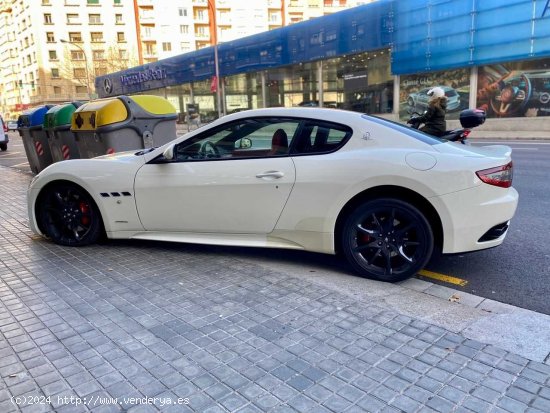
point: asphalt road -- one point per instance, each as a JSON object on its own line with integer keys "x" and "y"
{"x": 517, "y": 272}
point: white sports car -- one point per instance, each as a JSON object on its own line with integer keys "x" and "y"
{"x": 325, "y": 180}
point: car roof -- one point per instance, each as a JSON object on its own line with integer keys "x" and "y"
{"x": 297, "y": 112}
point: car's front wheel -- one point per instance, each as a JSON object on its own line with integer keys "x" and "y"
{"x": 68, "y": 215}
{"x": 387, "y": 239}
{"x": 3, "y": 146}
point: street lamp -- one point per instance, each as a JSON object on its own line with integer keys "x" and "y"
{"x": 85, "y": 63}
{"x": 216, "y": 61}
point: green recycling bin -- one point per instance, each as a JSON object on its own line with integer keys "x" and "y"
{"x": 57, "y": 125}
{"x": 123, "y": 123}
{"x": 30, "y": 126}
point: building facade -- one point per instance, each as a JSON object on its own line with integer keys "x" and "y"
{"x": 377, "y": 58}
{"x": 105, "y": 36}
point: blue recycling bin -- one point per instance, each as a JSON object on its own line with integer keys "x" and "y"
{"x": 35, "y": 141}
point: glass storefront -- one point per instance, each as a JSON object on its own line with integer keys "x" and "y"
{"x": 360, "y": 82}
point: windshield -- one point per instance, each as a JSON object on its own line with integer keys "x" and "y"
{"x": 413, "y": 133}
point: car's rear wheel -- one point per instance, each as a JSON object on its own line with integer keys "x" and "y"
{"x": 387, "y": 239}
{"x": 3, "y": 146}
{"x": 68, "y": 215}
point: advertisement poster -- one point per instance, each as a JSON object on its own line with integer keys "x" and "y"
{"x": 413, "y": 97}
{"x": 519, "y": 89}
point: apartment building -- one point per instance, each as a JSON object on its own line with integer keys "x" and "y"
{"x": 52, "y": 50}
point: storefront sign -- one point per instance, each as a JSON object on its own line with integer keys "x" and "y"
{"x": 142, "y": 77}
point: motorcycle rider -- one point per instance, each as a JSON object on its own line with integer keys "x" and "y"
{"x": 434, "y": 117}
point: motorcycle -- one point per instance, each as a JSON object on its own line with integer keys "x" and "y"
{"x": 469, "y": 119}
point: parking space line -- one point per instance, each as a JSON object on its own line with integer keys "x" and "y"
{"x": 442, "y": 277}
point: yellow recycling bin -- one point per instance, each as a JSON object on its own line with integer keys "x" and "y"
{"x": 123, "y": 123}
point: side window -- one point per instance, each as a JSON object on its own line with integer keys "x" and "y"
{"x": 246, "y": 138}
{"x": 322, "y": 137}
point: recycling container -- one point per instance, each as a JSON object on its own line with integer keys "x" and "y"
{"x": 31, "y": 128}
{"x": 123, "y": 123}
{"x": 57, "y": 125}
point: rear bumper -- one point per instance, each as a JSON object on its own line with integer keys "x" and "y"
{"x": 481, "y": 219}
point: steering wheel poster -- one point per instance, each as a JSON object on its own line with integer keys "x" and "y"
{"x": 514, "y": 89}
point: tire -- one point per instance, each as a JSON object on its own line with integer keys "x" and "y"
{"x": 68, "y": 215}
{"x": 387, "y": 239}
{"x": 3, "y": 147}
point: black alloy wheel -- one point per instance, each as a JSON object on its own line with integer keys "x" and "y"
{"x": 387, "y": 239}
{"x": 68, "y": 215}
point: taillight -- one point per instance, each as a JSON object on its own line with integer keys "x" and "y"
{"x": 499, "y": 176}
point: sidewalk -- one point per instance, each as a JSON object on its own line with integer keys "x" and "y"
{"x": 144, "y": 327}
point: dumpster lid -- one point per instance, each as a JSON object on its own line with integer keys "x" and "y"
{"x": 60, "y": 115}
{"x": 33, "y": 117}
{"x": 97, "y": 113}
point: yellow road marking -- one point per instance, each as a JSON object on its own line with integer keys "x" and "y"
{"x": 443, "y": 277}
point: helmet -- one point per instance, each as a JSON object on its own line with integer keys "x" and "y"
{"x": 436, "y": 92}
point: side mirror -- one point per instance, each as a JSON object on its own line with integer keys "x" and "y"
{"x": 169, "y": 153}
{"x": 243, "y": 143}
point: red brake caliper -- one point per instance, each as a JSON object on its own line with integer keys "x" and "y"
{"x": 85, "y": 210}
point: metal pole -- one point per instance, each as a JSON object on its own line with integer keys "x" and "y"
{"x": 85, "y": 67}
{"x": 216, "y": 61}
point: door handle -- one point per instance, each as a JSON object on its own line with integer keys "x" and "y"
{"x": 271, "y": 174}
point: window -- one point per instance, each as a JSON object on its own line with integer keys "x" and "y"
{"x": 100, "y": 71}
{"x": 184, "y": 29}
{"x": 182, "y": 12}
{"x": 120, "y": 37}
{"x": 123, "y": 54}
{"x": 72, "y": 18}
{"x": 322, "y": 137}
{"x": 46, "y": 2}
{"x": 185, "y": 46}
{"x": 99, "y": 54}
{"x": 248, "y": 138}
{"x": 56, "y": 90}
{"x": 94, "y": 19}
{"x": 75, "y": 37}
{"x": 116, "y": 2}
{"x": 52, "y": 55}
{"x": 93, "y": 1}
{"x": 50, "y": 38}
{"x": 81, "y": 90}
{"x": 77, "y": 55}
{"x": 55, "y": 73}
{"x": 47, "y": 18}
{"x": 150, "y": 49}
{"x": 166, "y": 46}
{"x": 96, "y": 37}
{"x": 118, "y": 19}
{"x": 79, "y": 73}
